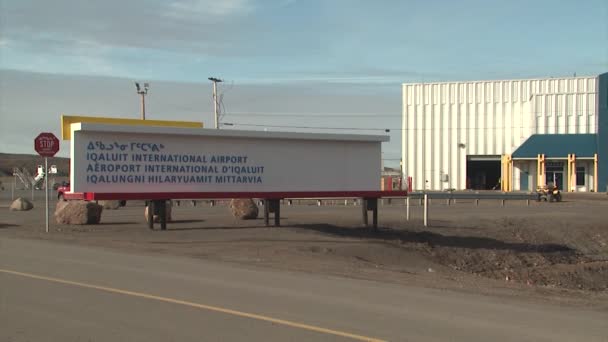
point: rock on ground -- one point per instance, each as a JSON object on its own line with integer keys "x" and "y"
{"x": 244, "y": 209}
{"x": 110, "y": 205}
{"x": 78, "y": 212}
{"x": 156, "y": 218}
{"x": 21, "y": 204}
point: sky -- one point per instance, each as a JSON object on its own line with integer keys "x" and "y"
{"x": 287, "y": 65}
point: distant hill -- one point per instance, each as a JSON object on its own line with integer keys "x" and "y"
{"x": 8, "y": 161}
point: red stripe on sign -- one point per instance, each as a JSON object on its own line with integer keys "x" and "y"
{"x": 93, "y": 196}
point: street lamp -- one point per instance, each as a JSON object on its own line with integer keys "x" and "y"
{"x": 143, "y": 92}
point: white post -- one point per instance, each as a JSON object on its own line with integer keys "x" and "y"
{"x": 426, "y": 210}
{"x": 13, "y": 188}
{"x": 407, "y": 209}
{"x": 215, "y": 105}
{"x": 143, "y": 105}
{"x": 46, "y": 190}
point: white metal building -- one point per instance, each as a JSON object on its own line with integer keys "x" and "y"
{"x": 455, "y": 134}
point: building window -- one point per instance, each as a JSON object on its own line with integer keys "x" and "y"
{"x": 549, "y": 105}
{"x": 461, "y": 93}
{"x": 580, "y": 87}
{"x": 538, "y": 105}
{"x": 554, "y": 167}
{"x": 591, "y": 85}
{"x": 560, "y": 105}
{"x": 488, "y": 92}
{"x": 580, "y": 176}
{"x": 470, "y": 92}
{"x": 590, "y": 101}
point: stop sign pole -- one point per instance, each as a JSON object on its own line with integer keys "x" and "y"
{"x": 47, "y": 145}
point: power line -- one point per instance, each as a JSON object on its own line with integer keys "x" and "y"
{"x": 401, "y": 129}
{"x": 309, "y": 127}
{"x": 317, "y": 114}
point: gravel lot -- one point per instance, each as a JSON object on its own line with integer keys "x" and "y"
{"x": 545, "y": 251}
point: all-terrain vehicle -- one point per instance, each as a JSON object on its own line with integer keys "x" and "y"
{"x": 548, "y": 193}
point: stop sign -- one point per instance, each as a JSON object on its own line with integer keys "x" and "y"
{"x": 46, "y": 144}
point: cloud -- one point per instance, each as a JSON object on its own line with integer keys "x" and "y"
{"x": 76, "y": 56}
{"x": 197, "y": 26}
{"x": 195, "y": 9}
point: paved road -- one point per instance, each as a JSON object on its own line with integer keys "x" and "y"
{"x": 58, "y": 292}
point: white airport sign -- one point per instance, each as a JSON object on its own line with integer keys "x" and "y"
{"x": 128, "y": 159}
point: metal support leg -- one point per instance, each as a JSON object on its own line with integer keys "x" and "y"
{"x": 426, "y": 210}
{"x": 151, "y": 214}
{"x": 364, "y": 210}
{"x": 373, "y": 205}
{"x": 266, "y": 212}
{"x": 277, "y": 213}
{"x": 162, "y": 214}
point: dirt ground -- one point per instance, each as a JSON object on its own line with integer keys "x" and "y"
{"x": 544, "y": 251}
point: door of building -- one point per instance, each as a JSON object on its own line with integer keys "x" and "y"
{"x": 556, "y": 177}
{"x": 555, "y": 173}
{"x": 523, "y": 181}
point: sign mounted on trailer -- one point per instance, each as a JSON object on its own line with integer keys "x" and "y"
{"x": 122, "y": 159}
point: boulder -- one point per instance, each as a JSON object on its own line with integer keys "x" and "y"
{"x": 110, "y": 205}
{"x": 244, "y": 208}
{"x": 156, "y": 218}
{"x": 21, "y": 204}
{"x": 78, "y": 212}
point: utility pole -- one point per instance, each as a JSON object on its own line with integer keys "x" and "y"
{"x": 215, "y": 101}
{"x": 143, "y": 92}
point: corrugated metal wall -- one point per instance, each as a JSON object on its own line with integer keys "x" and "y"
{"x": 445, "y": 122}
